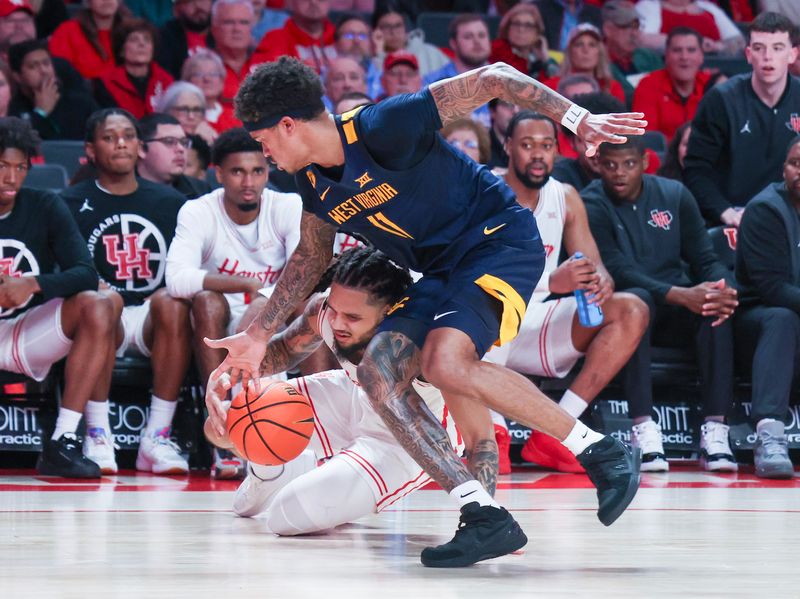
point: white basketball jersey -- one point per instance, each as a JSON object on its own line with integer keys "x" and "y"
{"x": 550, "y": 213}
{"x": 430, "y": 394}
{"x": 208, "y": 241}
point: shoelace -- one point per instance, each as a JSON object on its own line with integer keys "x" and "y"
{"x": 71, "y": 441}
{"x": 772, "y": 444}
{"x": 162, "y": 441}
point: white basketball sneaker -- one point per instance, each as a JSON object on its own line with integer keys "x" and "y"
{"x": 715, "y": 449}
{"x": 647, "y": 437}
{"x": 262, "y": 482}
{"x": 98, "y": 446}
{"x": 160, "y": 455}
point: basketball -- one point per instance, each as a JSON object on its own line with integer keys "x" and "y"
{"x": 271, "y": 426}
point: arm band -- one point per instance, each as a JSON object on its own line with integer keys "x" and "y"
{"x": 573, "y": 116}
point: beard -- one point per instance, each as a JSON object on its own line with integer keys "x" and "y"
{"x": 352, "y": 353}
{"x": 526, "y": 180}
{"x": 248, "y": 206}
{"x": 196, "y": 26}
{"x": 474, "y": 61}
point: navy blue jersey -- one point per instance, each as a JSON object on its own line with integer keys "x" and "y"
{"x": 408, "y": 192}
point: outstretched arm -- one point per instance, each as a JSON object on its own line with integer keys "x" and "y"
{"x": 302, "y": 271}
{"x": 458, "y": 96}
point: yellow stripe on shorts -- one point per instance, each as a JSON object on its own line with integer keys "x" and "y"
{"x": 513, "y": 306}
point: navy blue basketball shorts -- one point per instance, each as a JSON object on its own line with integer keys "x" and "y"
{"x": 484, "y": 296}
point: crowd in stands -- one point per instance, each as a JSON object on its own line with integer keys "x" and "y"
{"x": 175, "y": 229}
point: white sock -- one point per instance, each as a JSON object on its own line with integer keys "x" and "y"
{"x": 573, "y": 404}
{"x": 161, "y": 413}
{"x": 67, "y": 422}
{"x": 471, "y": 491}
{"x": 498, "y": 419}
{"x": 580, "y": 437}
{"x": 96, "y": 414}
{"x": 764, "y": 421}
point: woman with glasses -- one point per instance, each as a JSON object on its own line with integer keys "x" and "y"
{"x": 85, "y": 41}
{"x": 137, "y": 82}
{"x": 470, "y": 137}
{"x": 205, "y": 69}
{"x": 391, "y": 33}
{"x": 187, "y": 103}
{"x": 522, "y": 44}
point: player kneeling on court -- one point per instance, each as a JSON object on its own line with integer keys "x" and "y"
{"x": 551, "y": 339}
{"x": 49, "y": 305}
{"x": 365, "y": 470}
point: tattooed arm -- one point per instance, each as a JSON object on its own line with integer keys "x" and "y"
{"x": 458, "y": 96}
{"x": 293, "y": 345}
{"x": 390, "y": 364}
{"x": 302, "y": 271}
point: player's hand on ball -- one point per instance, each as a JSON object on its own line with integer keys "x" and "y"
{"x": 216, "y": 393}
{"x": 243, "y": 361}
{"x": 595, "y": 129}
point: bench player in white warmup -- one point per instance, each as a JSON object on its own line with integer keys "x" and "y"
{"x": 551, "y": 339}
{"x": 368, "y": 470}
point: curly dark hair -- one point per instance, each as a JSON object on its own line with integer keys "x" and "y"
{"x": 98, "y": 118}
{"x": 233, "y": 141}
{"x": 370, "y": 270}
{"x": 277, "y": 88}
{"x": 19, "y": 135}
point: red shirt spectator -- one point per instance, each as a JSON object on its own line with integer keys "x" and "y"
{"x": 206, "y": 70}
{"x": 85, "y": 41}
{"x": 669, "y": 97}
{"x": 521, "y": 42}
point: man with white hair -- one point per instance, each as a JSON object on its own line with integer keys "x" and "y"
{"x": 231, "y": 31}
{"x": 344, "y": 75}
{"x": 206, "y": 70}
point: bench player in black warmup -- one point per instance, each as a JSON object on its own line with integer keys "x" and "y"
{"x": 384, "y": 173}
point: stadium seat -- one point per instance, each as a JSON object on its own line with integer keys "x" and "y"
{"x": 68, "y": 153}
{"x": 49, "y": 177}
{"x": 655, "y": 140}
{"x": 435, "y": 25}
{"x": 727, "y": 64}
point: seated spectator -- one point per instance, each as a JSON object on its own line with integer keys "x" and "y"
{"x": 344, "y": 75}
{"x": 716, "y": 29}
{"x": 400, "y": 74}
{"x": 577, "y": 85}
{"x": 266, "y": 19}
{"x": 353, "y": 39}
{"x": 163, "y": 155}
{"x": 469, "y": 41}
{"x": 183, "y": 35}
{"x": 198, "y": 158}
{"x": 391, "y": 34}
{"x": 137, "y": 221}
{"x": 85, "y": 40}
{"x": 669, "y": 97}
{"x": 501, "y": 113}
{"x": 351, "y": 100}
{"x": 187, "y": 103}
{"x": 629, "y": 60}
{"x": 17, "y": 24}
{"x": 5, "y": 88}
{"x": 676, "y": 152}
{"x": 137, "y": 83}
{"x": 205, "y": 69}
{"x": 231, "y": 24}
{"x": 521, "y": 43}
{"x": 562, "y": 16}
{"x": 648, "y": 229}
{"x": 229, "y": 249}
{"x": 308, "y": 35}
{"x": 768, "y": 325}
{"x": 469, "y": 137}
{"x": 39, "y": 98}
{"x": 48, "y": 291}
{"x": 551, "y": 340}
{"x": 587, "y": 55}
{"x": 742, "y": 127}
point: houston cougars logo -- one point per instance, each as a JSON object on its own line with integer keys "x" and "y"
{"x": 660, "y": 219}
{"x": 16, "y": 260}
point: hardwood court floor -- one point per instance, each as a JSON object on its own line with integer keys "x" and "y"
{"x": 688, "y": 534}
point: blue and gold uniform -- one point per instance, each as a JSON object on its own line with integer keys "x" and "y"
{"x": 431, "y": 209}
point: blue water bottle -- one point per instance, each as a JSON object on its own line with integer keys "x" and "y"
{"x": 589, "y": 315}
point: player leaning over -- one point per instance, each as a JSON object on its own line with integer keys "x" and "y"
{"x": 384, "y": 173}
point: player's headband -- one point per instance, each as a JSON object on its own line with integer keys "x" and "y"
{"x": 270, "y": 120}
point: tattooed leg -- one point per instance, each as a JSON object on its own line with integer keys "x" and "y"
{"x": 475, "y": 425}
{"x": 390, "y": 364}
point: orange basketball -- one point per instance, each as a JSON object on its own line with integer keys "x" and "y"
{"x": 272, "y": 426}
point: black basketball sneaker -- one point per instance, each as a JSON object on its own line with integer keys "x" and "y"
{"x": 483, "y": 532}
{"x": 614, "y": 469}
{"x": 64, "y": 457}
